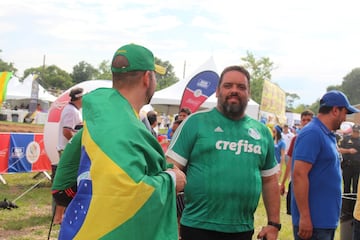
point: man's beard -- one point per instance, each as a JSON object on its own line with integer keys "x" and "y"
{"x": 234, "y": 110}
{"x": 338, "y": 124}
{"x": 148, "y": 95}
{"x": 150, "y": 90}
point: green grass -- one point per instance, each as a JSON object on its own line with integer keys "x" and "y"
{"x": 32, "y": 219}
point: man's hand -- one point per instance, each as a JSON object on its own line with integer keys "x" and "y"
{"x": 352, "y": 151}
{"x": 180, "y": 178}
{"x": 268, "y": 233}
{"x": 282, "y": 189}
{"x": 305, "y": 227}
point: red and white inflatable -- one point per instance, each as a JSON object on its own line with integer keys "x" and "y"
{"x": 51, "y": 128}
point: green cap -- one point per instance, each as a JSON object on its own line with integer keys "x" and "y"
{"x": 139, "y": 58}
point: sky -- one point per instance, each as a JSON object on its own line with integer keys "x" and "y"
{"x": 313, "y": 44}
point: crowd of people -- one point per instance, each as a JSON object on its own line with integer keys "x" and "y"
{"x": 207, "y": 182}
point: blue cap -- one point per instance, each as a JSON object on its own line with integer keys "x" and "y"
{"x": 278, "y": 128}
{"x": 336, "y": 98}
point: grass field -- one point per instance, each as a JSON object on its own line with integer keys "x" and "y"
{"x": 31, "y": 221}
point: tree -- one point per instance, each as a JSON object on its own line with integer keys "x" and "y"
{"x": 350, "y": 86}
{"x": 104, "y": 71}
{"x": 51, "y": 77}
{"x": 300, "y": 108}
{"x": 7, "y": 67}
{"x": 334, "y": 87}
{"x": 83, "y": 71}
{"x": 290, "y": 99}
{"x": 163, "y": 81}
{"x": 315, "y": 106}
{"x": 168, "y": 78}
{"x": 260, "y": 69}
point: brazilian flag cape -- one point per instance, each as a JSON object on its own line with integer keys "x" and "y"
{"x": 123, "y": 191}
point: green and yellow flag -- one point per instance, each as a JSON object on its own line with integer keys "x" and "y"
{"x": 123, "y": 191}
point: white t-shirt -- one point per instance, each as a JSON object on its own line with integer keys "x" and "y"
{"x": 70, "y": 117}
{"x": 287, "y": 139}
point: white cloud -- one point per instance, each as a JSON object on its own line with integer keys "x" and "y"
{"x": 313, "y": 43}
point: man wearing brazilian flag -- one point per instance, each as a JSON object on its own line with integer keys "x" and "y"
{"x": 125, "y": 188}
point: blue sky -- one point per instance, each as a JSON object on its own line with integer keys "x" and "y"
{"x": 313, "y": 44}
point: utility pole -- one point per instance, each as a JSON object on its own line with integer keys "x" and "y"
{"x": 184, "y": 69}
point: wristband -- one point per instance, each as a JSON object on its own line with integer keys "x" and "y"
{"x": 277, "y": 225}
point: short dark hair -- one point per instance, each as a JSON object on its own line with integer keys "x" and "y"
{"x": 325, "y": 109}
{"x": 152, "y": 117}
{"x": 76, "y": 93}
{"x": 185, "y": 110}
{"x": 178, "y": 122}
{"x": 307, "y": 113}
{"x": 235, "y": 68}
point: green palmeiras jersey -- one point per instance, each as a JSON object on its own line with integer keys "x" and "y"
{"x": 225, "y": 161}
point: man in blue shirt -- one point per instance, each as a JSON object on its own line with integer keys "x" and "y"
{"x": 316, "y": 173}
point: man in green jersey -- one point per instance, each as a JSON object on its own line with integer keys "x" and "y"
{"x": 230, "y": 161}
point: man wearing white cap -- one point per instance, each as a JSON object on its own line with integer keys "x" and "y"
{"x": 70, "y": 117}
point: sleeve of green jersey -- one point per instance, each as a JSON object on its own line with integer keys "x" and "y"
{"x": 183, "y": 141}
{"x": 67, "y": 169}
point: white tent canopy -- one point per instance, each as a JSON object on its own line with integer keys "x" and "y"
{"x": 168, "y": 99}
{"x": 22, "y": 90}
